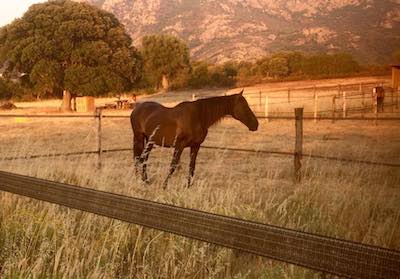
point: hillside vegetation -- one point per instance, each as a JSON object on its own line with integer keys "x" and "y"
{"x": 219, "y": 31}
{"x": 82, "y": 50}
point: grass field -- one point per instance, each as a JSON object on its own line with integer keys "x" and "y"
{"x": 345, "y": 200}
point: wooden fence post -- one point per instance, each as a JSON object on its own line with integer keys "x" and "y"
{"x": 266, "y": 112}
{"x": 339, "y": 90}
{"x": 373, "y": 100}
{"x": 376, "y": 108}
{"x": 333, "y": 108}
{"x": 315, "y": 107}
{"x": 288, "y": 95}
{"x": 315, "y": 90}
{"x": 99, "y": 115}
{"x": 298, "y": 148}
{"x": 260, "y": 98}
{"x": 392, "y": 95}
{"x": 193, "y": 97}
{"x": 344, "y": 104}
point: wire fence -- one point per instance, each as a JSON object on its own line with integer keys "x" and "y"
{"x": 250, "y": 151}
{"x": 270, "y": 117}
{"x": 318, "y": 115}
{"x": 314, "y": 88}
{"x": 268, "y": 103}
{"x": 100, "y": 151}
{"x": 320, "y": 253}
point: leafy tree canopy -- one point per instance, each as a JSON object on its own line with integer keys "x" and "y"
{"x": 339, "y": 63}
{"x": 278, "y": 67}
{"x": 73, "y": 46}
{"x": 164, "y": 55}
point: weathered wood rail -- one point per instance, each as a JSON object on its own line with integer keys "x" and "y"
{"x": 329, "y": 255}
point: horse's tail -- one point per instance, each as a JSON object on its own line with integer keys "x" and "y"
{"x": 133, "y": 116}
{"x": 132, "y": 119}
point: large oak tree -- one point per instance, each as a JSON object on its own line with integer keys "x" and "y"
{"x": 71, "y": 46}
{"x": 165, "y": 58}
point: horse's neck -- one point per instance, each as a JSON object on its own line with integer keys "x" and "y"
{"x": 214, "y": 109}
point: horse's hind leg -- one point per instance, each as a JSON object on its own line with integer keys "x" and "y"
{"x": 144, "y": 158}
{"x": 193, "y": 155}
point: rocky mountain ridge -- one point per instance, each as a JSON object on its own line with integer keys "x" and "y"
{"x": 219, "y": 30}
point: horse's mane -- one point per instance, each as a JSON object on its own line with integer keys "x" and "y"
{"x": 212, "y": 110}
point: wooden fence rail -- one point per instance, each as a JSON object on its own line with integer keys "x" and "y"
{"x": 329, "y": 255}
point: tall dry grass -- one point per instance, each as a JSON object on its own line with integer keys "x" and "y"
{"x": 351, "y": 201}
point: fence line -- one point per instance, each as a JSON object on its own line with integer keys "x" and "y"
{"x": 340, "y": 86}
{"x": 350, "y": 93}
{"x": 49, "y": 115}
{"x": 344, "y": 95}
{"x": 297, "y": 157}
{"x": 330, "y": 255}
{"x": 258, "y": 117}
{"x": 253, "y": 151}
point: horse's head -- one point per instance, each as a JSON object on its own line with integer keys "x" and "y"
{"x": 242, "y": 112}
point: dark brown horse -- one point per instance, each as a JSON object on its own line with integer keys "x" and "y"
{"x": 185, "y": 125}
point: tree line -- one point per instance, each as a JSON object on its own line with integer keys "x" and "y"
{"x": 63, "y": 47}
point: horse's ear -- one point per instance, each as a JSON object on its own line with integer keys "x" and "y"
{"x": 241, "y": 92}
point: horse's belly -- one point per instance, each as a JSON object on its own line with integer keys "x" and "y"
{"x": 162, "y": 134}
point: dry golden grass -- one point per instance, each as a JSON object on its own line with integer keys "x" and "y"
{"x": 345, "y": 200}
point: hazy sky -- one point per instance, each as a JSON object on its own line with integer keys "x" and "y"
{"x": 11, "y": 9}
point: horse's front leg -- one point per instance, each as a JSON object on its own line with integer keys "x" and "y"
{"x": 193, "y": 155}
{"x": 138, "y": 146}
{"x": 174, "y": 163}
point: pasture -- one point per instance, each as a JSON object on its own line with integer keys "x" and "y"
{"x": 352, "y": 201}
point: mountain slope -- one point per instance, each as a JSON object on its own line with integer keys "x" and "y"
{"x": 219, "y": 30}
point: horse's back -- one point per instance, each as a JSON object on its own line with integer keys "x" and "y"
{"x": 145, "y": 106}
{"x": 164, "y": 125}
{"x": 150, "y": 118}
{"x": 142, "y": 111}
{"x": 153, "y": 109}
